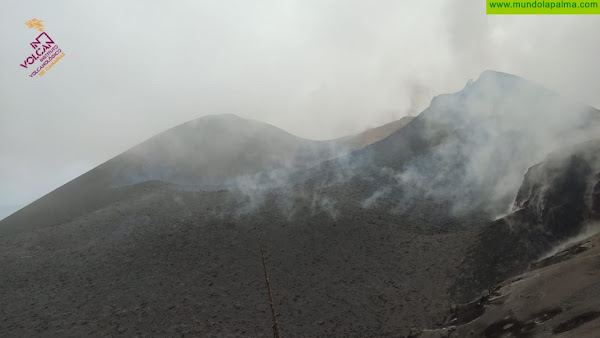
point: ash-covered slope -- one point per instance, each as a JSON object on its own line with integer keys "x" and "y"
{"x": 216, "y": 151}
{"x": 376, "y": 134}
{"x": 367, "y": 244}
{"x": 210, "y": 153}
{"x": 473, "y": 147}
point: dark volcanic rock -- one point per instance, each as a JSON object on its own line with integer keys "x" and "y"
{"x": 552, "y": 206}
{"x": 596, "y": 199}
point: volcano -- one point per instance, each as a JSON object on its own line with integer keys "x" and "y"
{"x": 370, "y": 235}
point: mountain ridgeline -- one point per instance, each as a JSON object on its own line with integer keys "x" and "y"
{"x": 367, "y": 235}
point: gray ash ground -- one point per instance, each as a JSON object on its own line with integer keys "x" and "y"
{"x": 181, "y": 265}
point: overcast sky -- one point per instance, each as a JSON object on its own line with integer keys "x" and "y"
{"x": 318, "y": 69}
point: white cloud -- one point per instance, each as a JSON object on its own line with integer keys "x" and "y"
{"x": 133, "y": 69}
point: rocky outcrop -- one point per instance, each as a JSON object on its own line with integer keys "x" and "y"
{"x": 557, "y": 199}
{"x": 568, "y": 179}
{"x": 556, "y": 295}
{"x": 595, "y": 198}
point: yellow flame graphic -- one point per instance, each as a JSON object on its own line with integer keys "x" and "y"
{"x": 35, "y": 24}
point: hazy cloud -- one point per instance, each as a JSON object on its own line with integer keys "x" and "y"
{"x": 133, "y": 69}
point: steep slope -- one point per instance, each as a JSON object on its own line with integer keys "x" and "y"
{"x": 474, "y": 146}
{"x": 210, "y": 153}
{"x": 213, "y": 150}
{"x": 555, "y": 209}
{"x": 376, "y": 134}
{"x": 559, "y": 295}
{"x": 367, "y": 244}
{"x": 557, "y": 201}
{"x": 168, "y": 262}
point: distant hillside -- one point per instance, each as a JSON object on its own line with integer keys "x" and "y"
{"x": 210, "y": 153}
{"x": 375, "y": 134}
{"x": 213, "y": 151}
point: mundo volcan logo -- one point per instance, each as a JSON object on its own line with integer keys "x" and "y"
{"x": 46, "y": 52}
